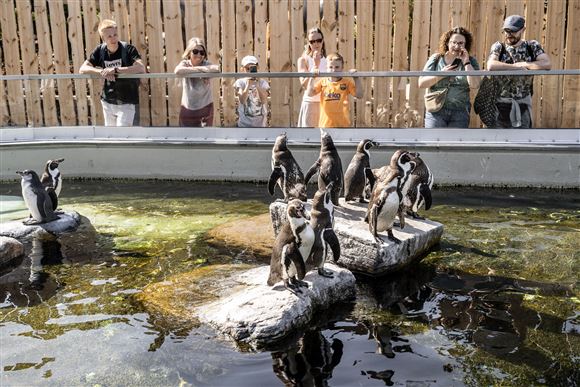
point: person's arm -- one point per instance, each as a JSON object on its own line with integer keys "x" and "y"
{"x": 302, "y": 66}
{"x": 472, "y": 81}
{"x": 359, "y": 89}
{"x": 105, "y": 73}
{"x": 136, "y": 68}
{"x": 542, "y": 62}
{"x": 184, "y": 67}
{"x": 262, "y": 92}
{"x": 426, "y": 81}
{"x": 243, "y": 91}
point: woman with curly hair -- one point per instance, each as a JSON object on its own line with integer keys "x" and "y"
{"x": 452, "y": 55}
{"x": 312, "y": 60}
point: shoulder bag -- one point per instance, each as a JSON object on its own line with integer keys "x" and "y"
{"x": 434, "y": 100}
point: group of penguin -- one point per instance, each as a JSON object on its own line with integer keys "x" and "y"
{"x": 402, "y": 186}
{"x": 41, "y": 194}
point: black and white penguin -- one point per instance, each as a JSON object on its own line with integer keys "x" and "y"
{"x": 286, "y": 172}
{"x": 52, "y": 178}
{"x": 36, "y": 198}
{"x": 322, "y": 221}
{"x": 291, "y": 248}
{"x": 328, "y": 166}
{"x": 417, "y": 189}
{"x": 386, "y": 198}
{"x": 355, "y": 177}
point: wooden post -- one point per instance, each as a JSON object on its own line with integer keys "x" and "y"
{"x": 312, "y": 13}
{"x": 92, "y": 40}
{"x": 297, "y": 35}
{"x": 194, "y": 20}
{"x": 213, "y": 47}
{"x": 137, "y": 33}
{"x": 329, "y": 26}
{"x": 400, "y": 62}
{"x": 154, "y": 32}
{"x": 105, "y": 11}
{"x": 383, "y": 56}
{"x": 419, "y": 55}
{"x": 479, "y": 47}
{"x": 173, "y": 51}
{"x": 245, "y": 30}
{"x": 570, "y": 108}
{"x": 515, "y": 7}
{"x": 364, "y": 62}
{"x": 4, "y": 113}
{"x": 280, "y": 61}
{"x": 535, "y": 30}
{"x": 228, "y": 28}
{"x": 122, "y": 19}
{"x": 75, "y": 36}
{"x": 346, "y": 37}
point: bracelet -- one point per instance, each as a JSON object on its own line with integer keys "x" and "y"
{"x": 466, "y": 63}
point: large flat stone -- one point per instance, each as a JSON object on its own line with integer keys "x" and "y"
{"x": 66, "y": 222}
{"x": 360, "y": 252}
{"x": 258, "y": 314}
{"x": 10, "y": 248}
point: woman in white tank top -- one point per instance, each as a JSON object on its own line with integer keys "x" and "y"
{"x": 313, "y": 60}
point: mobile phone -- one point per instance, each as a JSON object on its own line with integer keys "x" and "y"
{"x": 253, "y": 69}
{"x": 456, "y": 62}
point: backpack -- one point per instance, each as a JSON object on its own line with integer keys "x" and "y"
{"x": 124, "y": 57}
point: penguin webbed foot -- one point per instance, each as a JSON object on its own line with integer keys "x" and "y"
{"x": 299, "y": 283}
{"x": 292, "y": 288}
{"x": 325, "y": 273}
{"x": 393, "y": 238}
{"x": 362, "y": 200}
{"x": 31, "y": 222}
{"x": 415, "y": 215}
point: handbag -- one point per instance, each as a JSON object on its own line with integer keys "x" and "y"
{"x": 434, "y": 100}
{"x": 484, "y": 104}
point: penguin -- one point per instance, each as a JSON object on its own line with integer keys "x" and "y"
{"x": 286, "y": 172}
{"x": 51, "y": 177}
{"x": 291, "y": 248}
{"x": 322, "y": 221}
{"x": 417, "y": 189}
{"x": 328, "y": 166}
{"x": 36, "y": 198}
{"x": 355, "y": 177}
{"x": 386, "y": 199}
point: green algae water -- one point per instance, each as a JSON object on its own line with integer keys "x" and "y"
{"x": 495, "y": 304}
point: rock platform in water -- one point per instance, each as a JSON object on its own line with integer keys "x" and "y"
{"x": 258, "y": 314}
{"x": 359, "y": 251}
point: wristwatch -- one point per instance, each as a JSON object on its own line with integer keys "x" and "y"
{"x": 116, "y": 70}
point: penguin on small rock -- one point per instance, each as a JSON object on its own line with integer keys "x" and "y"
{"x": 36, "y": 198}
{"x": 328, "y": 166}
{"x": 52, "y": 178}
{"x": 417, "y": 189}
{"x": 286, "y": 172}
{"x": 355, "y": 176}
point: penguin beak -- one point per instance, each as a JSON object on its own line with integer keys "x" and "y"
{"x": 59, "y": 160}
{"x": 376, "y": 144}
{"x": 20, "y": 173}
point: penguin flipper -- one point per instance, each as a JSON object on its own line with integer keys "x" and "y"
{"x": 277, "y": 173}
{"x": 370, "y": 178}
{"x": 426, "y": 193}
{"x": 313, "y": 169}
{"x": 53, "y": 197}
{"x": 332, "y": 240}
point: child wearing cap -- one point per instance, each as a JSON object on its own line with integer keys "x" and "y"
{"x": 252, "y": 96}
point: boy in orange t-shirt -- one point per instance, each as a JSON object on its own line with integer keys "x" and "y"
{"x": 334, "y": 92}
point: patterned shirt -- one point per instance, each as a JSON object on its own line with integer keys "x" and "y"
{"x": 517, "y": 86}
{"x": 334, "y": 111}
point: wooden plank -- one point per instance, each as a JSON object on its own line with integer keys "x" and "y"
{"x": 515, "y": 7}
{"x": 298, "y": 40}
{"x": 364, "y": 62}
{"x": 280, "y": 61}
{"x": 571, "y": 103}
{"x": 440, "y": 21}
{"x": 105, "y": 10}
{"x": 244, "y": 29}
{"x": 312, "y": 13}
{"x": 75, "y": 36}
{"x": 400, "y": 62}
{"x": 154, "y": 33}
{"x": 137, "y": 31}
{"x": 228, "y": 30}
{"x": 194, "y": 20}
{"x": 212, "y": 20}
{"x": 329, "y": 26}
{"x": 383, "y": 56}
{"x": 62, "y": 63}
{"x": 346, "y": 37}
{"x": 534, "y": 30}
{"x": 4, "y": 113}
{"x": 29, "y": 62}
{"x": 122, "y": 18}
{"x": 12, "y": 62}
{"x": 261, "y": 33}
{"x": 554, "y": 46}
{"x": 459, "y": 15}
{"x": 92, "y": 39}
{"x": 173, "y": 51}
{"x": 419, "y": 55}
{"x": 479, "y": 47}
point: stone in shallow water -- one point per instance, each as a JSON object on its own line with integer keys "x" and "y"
{"x": 259, "y": 314}
{"x": 66, "y": 222}
{"x": 360, "y": 252}
{"x": 10, "y": 248}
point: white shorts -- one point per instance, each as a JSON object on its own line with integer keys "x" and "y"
{"x": 309, "y": 114}
{"x": 118, "y": 115}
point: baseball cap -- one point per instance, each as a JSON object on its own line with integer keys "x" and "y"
{"x": 514, "y": 23}
{"x": 249, "y": 59}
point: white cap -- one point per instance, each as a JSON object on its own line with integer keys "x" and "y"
{"x": 249, "y": 59}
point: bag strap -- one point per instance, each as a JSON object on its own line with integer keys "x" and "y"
{"x": 124, "y": 53}
{"x": 433, "y": 67}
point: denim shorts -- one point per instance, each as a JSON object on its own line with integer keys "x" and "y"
{"x": 448, "y": 118}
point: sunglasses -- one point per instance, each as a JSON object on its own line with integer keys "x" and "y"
{"x": 195, "y": 51}
{"x": 510, "y": 32}
{"x": 315, "y": 41}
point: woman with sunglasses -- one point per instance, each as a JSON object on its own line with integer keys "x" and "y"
{"x": 313, "y": 60}
{"x": 196, "y": 99}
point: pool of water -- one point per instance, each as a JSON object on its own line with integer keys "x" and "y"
{"x": 495, "y": 303}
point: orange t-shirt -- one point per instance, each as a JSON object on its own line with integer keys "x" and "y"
{"x": 334, "y": 111}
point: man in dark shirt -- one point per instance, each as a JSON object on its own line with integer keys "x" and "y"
{"x": 120, "y": 96}
{"x": 515, "y": 102}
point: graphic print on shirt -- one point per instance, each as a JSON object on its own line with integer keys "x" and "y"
{"x": 253, "y": 106}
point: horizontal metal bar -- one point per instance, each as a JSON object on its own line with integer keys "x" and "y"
{"x": 358, "y": 74}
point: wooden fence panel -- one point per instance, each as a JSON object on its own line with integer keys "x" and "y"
{"x": 439, "y": 21}
{"x": 479, "y": 48}
{"x": 313, "y": 13}
{"x": 280, "y": 61}
{"x": 364, "y": 62}
{"x": 346, "y": 37}
{"x": 92, "y": 39}
{"x": 329, "y": 26}
{"x": 29, "y": 62}
{"x": 105, "y": 11}
{"x": 15, "y": 95}
{"x": 554, "y": 46}
{"x": 122, "y": 19}
{"x": 571, "y": 100}
{"x": 514, "y": 7}
{"x": 62, "y": 63}
{"x": 137, "y": 33}
{"x": 75, "y": 34}
{"x": 261, "y": 33}
{"x": 459, "y": 15}
{"x": 173, "y": 50}
{"x": 298, "y": 40}
{"x": 534, "y": 30}
{"x": 213, "y": 52}
{"x": 4, "y": 113}
{"x": 158, "y": 86}
{"x": 383, "y": 55}
{"x": 229, "y": 63}
{"x": 194, "y": 20}
{"x": 400, "y": 62}
{"x": 419, "y": 56}
{"x": 244, "y": 30}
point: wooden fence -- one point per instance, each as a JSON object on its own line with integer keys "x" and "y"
{"x": 55, "y": 36}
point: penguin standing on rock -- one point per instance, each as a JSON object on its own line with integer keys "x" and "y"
{"x": 386, "y": 199}
{"x": 417, "y": 189}
{"x": 355, "y": 177}
{"x": 36, "y": 198}
{"x": 286, "y": 172}
{"x": 328, "y": 166}
{"x": 51, "y": 178}
{"x": 322, "y": 221}
{"x": 291, "y": 248}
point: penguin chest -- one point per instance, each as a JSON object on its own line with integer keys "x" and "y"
{"x": 306, "y": 242}
{"x": 57, "y": 185}
{"x": 387, "y": 213}
{"x": 33, "y": 202}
